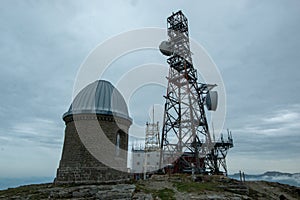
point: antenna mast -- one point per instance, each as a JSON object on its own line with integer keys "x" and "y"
{"x": 185, "y": 128}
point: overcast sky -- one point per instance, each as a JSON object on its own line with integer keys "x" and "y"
{"x": 255, "y": 45}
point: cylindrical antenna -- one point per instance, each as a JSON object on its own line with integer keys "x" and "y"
{"x": 153, "y": 115}
{"x": 212, "y": 125}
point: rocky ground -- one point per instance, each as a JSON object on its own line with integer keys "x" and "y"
{"x": 160, "y": 187}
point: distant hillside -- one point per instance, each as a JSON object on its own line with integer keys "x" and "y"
{"x": 273, "y": 176}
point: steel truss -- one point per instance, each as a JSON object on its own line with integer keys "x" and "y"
{"x": 216, "y": 159}
{"x": 185, "y": 127}
{"x": 152, "y": 137}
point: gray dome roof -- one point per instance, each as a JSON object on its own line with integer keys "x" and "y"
{"x": 99, "y": 97}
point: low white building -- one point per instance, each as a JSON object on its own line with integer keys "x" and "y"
{"x": 144, "y": 161}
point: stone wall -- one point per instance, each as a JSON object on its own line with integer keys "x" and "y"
{"x": 78, "y": 164}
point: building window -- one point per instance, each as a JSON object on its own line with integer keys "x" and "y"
{"x": 118, "y": 144}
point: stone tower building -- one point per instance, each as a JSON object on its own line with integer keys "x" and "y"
{"x": 96, "y": 136}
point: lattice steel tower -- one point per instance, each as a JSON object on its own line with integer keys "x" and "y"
{"x": 185, "y": 127}
{"x": 152, "y": 140}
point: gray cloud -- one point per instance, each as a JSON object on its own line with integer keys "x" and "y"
{"x": 255, "y": 45}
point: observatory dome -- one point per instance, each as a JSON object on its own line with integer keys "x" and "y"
{"x": 99, "y": 97}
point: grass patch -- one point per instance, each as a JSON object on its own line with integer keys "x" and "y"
{"x": 143, "y": 188}
{"x": 165, "y": 194}
{"x": 196, "y": 186}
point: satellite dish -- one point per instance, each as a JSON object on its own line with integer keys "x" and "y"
{"x": 166, "y": 48}
{"x": 211, "y": 100}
